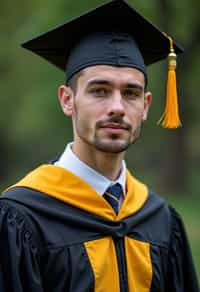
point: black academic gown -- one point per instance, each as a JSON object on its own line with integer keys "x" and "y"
{"x": 57, "y": 234}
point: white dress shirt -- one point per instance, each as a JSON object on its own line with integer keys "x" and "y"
{"x": 96, "y": 180}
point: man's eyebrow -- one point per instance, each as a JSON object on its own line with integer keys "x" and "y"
{"x": 131, "y": 85}
{"x": 134, "y": 86}
{"x": 99, "y": 82}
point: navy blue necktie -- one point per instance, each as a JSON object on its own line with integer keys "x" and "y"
{"x": 112, "y": 196}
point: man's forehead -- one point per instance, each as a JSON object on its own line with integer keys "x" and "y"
{"x": 114, "y": 74}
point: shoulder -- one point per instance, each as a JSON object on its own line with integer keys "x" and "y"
{"x": 162, "y": 205}
{"x": 167, "y": 212}
{"x": 164, "y": 221}
{"x": 159, "y": 207}
{"x": 15, "y": 224}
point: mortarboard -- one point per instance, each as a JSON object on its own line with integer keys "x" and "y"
{"x": 113, "y": 34}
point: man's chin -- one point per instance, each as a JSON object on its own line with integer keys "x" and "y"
{"x": 112, "y": 146}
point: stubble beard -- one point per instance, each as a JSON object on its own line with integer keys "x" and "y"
{"x": 113, "y": 145}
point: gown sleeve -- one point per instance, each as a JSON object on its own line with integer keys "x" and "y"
{"x": 181, "y": 271}
{"x": 19, "y": 256}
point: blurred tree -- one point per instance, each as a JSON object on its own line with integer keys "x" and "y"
{"x": 32, "y": 127}
{"x": 176, "y": 162}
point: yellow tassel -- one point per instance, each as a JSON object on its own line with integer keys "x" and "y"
{"x": 170, "y": 117}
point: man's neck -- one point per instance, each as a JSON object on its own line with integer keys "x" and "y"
{"x": 108, "y": 164}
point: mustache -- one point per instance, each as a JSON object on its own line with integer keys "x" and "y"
{"x": 114, "y": 120}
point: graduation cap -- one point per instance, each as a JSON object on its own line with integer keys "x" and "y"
{"x": 111, "y": 34}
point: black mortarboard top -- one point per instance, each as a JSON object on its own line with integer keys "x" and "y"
{"x": 113, "y": 34}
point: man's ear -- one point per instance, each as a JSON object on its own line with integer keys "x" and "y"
{"x": 147, "y": 104}
{"x": 65, "y": 96}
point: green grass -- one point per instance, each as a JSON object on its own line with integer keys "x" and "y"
{"x": 189, "y": 209}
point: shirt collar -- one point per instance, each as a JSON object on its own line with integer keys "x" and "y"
{"x": 100, "y": 183}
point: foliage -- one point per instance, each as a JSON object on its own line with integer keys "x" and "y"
{"x": 32, "y": 127}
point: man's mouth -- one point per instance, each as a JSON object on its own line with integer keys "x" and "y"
{"x": 114, "y": 128}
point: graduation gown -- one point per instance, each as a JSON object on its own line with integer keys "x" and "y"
{"x": 57, "y": 234}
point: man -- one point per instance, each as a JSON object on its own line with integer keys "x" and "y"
{"x": 84, "y": 223}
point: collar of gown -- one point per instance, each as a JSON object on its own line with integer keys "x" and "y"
{"x": 96, "y": 180}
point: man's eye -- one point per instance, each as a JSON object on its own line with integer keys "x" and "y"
{"x": 131, "y": 93}
{"x": 99, "y": 92}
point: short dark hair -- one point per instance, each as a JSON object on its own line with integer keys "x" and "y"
{"x": 73, "y": 81}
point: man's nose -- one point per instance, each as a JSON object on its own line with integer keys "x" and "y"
{"x": 116, "y": 104}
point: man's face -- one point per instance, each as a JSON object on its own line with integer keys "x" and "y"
{"x": 109, "y": 107}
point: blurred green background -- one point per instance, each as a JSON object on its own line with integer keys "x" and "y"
{"x": 33, "y": 129}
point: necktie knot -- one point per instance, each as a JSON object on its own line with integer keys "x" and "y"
{"x": 112, "y": 196}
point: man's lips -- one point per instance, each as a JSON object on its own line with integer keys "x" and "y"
{"x": 114, "y": 127}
